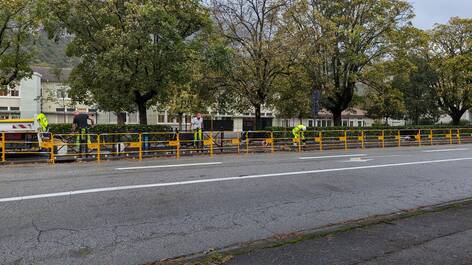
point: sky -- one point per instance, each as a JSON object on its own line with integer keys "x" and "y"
{"x": 429, "y": 12}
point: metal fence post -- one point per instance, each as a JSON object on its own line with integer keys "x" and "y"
{"x": 321, "y": 141}
{"x": 98, "y": 148}
{"x": 140, "y": 149}
{"x": 450, "y": 136}
{"x": 419, "y": 137}
{"x": 459, "y": 140}
{"x": 272, "y": 148}
{"x": 383, "y": 138}
{"x": 211, "y": 144}
{"x": 3, "y": 147}
{"x": 399, "y": 136}
{"x": 362, "y": 139}
{"x": 247, "y": 142}
{"x": 52, "y": 159}
{"x": 431, "y": 135}
{"x": 177, "y": 152}
{"x": 345, "y": 140}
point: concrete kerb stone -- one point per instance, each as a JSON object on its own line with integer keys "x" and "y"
{"x": 213, "y": 256}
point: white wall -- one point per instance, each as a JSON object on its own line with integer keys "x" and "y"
{"x": 30, "y": 91}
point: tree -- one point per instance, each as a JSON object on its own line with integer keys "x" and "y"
{"x": 293, "y": 95}
{"x": 421, "y": 104}
{"x": 451, "y": 49}
{"x": 382, "y": 100}
{"x": 131, "y": 52}
{"x": 338, "y": 39}
{"x": 250, "y": 28}
{"x": 18, "y": 24}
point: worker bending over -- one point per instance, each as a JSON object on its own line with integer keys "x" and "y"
{"x": 298, "y": 134}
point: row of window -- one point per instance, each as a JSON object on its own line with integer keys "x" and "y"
{"x": 72, "y": 110}
{"x": 11, "y": 108}
{"x": 10, "y": 92}
{"x": 7, "y": 116}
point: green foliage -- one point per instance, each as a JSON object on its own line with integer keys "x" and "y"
{"x": 132, "y": 52}
{"x": 451, "y": 50}
{"x": 336, "y": 40}
{"x": 109, "y": 128}
{"x": 18, "y": 23}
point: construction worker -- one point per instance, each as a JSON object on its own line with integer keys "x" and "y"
{"x": 298, "y": 134}
{"x": 43, "y": 122}
{"x": 197, "y": 128}
{"x": 80, "y": 125}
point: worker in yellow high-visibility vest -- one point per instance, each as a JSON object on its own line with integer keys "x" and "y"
{"x": 298, "y": 134}
{"x": 43, "y": 122}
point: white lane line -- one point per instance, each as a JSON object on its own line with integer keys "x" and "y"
{"x": 167, "y": 166}
{"x": 445, "y": 150}
{"x": 179, "y": 183}
{"x": 333, "y": 156}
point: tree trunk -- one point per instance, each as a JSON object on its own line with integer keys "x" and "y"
{"x": 142, "y": 110}
{"x": 337, "y": 117}
{"x": 121, "y": 118}
{"x": 258, "y": 123}
{"x": 181, "y": 115}
{"x": 456, "y": 116}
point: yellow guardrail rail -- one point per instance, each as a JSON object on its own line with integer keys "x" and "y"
{"x": 56, "y": 147}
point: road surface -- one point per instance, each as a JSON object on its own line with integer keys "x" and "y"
{"x": 131, "y": 212}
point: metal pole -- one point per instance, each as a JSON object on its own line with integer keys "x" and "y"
{"x": 140, "y": 149}
{"x": 3, "y": 147}
{"x": 98, "y": 148}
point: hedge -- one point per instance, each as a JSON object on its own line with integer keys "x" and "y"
{"x": 434, "y": 126}
{"x": 112, "y": 128}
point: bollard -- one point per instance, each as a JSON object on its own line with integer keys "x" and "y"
{"x": 459, "y": 141}
{"x": 431, "y": 136}
{"x": 362, "y": 139}
{"x": 321, "y": 141}
{"x": 345, "y": 140}
{"x": 399, "y": 138}
{"x": 211, "y": 144}
{"x": 272, "y": 142}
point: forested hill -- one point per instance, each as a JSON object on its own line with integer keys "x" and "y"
{"x": 52, "y": 53}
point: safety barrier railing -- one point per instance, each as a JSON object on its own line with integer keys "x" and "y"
{"x": 75, "y": 146}
{"x": 155, "y": 144}
{"x": 63, "y": 147}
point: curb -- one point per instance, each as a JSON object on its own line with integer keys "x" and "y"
{"x": 221, "y": 255}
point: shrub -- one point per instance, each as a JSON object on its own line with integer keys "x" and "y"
{"x": 113, "y": 128}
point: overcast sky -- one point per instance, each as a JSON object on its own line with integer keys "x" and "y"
{"x": 429, "y": 12}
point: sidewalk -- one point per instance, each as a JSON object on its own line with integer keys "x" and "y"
{"x": 438, "y": 237}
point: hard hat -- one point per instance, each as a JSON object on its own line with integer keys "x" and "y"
{"x": 303, "y": 128}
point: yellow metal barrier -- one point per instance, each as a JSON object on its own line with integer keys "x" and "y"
{"x": 3, "y": 148}
{"x": 175, "y": 144}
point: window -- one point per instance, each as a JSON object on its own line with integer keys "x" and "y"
{"x": 15, "y": 116}
{"x": 318, "y": 123}
{"x": 351, "y": 123}
{"x": 70, "y": 109}
{"x": 359, "y": 123}
{"x": 3, "y": 108}
{"x": 310, "y": 123}
{"x": 15, "y": 108}
{"x": 344, "y": 123}
{"x": 62, "y": 93}
{"x": 161, "y": 118}
{"x": 60, "y": 109}
{"x": 324, "y": 123}
{"x": 329, "y": 123}
{"x": 14, "y": 92}
{"x": 4, "y": 116}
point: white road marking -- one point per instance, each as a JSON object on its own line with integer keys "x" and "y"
{"x": 445, "y": 150}
{"x": 357, "y": 160}
{"x": 333, "y": 156}
{"x": 179, "y": 183}
{"x": 174, "y": 165}
{"x": 387, "y": 156}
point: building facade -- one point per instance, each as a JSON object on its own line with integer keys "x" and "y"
{"x": 46, "y": 91}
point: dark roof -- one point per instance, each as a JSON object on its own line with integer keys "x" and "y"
{"x": 49, "y": 74}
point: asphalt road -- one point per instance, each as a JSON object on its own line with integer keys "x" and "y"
{"x": 131, "y": 212}
{"x": 434, "y": 238}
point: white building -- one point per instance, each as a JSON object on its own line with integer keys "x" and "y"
{"x": 47, "y": 92}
